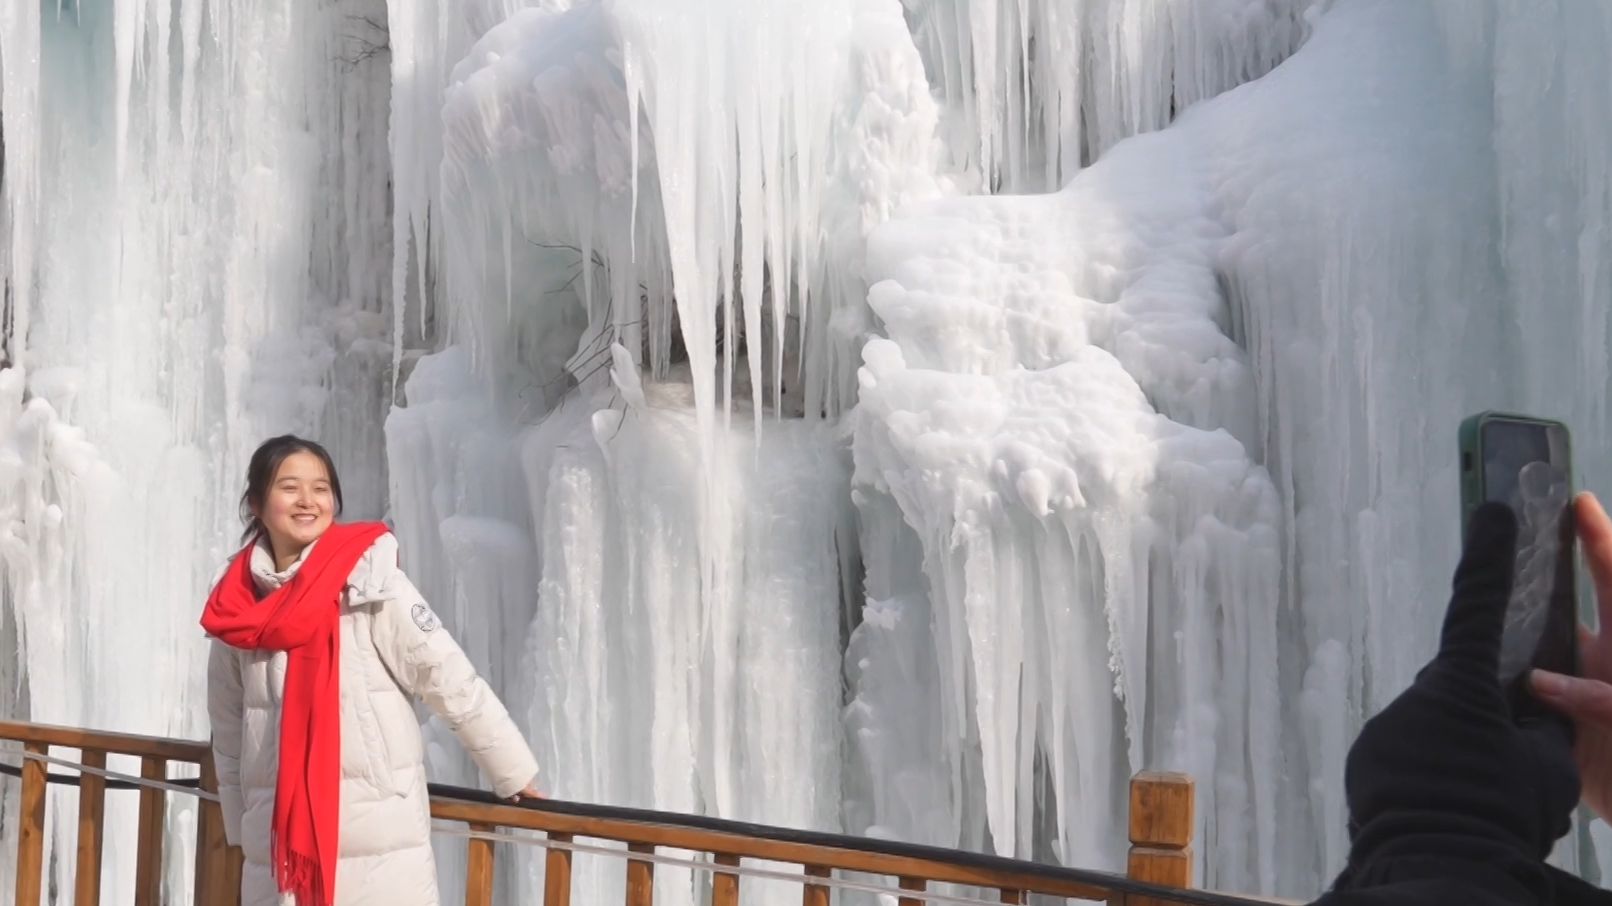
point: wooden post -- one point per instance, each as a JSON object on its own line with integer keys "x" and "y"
{"x": 31, "y": 836}
{"x": 91, "y": 823}
{"x": 234, "y": 864}
{"x": 725, "y": 884}
{"x": 148, "y": 858}
{"x": 212, "y": 850}
{"x": 1160, "y": 832}
{"x": 640, "y": 877}
{"x": 815, "y": 894}
{"x": 479, "y": 868}
{"x": 557, "y": 873}
{"x": 917, "y": 884}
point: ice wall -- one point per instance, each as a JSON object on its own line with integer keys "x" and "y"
{"x": 196, "y": 240}
{"x": 724, "y": 706}
{"x": 700, "y": 317}
{"x": 615, "y": 197}
{"x": 1035, "y": 91}
{"x": 1058, "y": 417}
{"x": 689, "y": 535}
{"x": 1397, "y": 227}
{"x": 1544, "y": 80}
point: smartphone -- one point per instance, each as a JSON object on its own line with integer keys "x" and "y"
{"x": 1526, "y": 463}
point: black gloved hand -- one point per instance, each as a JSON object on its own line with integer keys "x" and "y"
{"x": 1442, "y": 783}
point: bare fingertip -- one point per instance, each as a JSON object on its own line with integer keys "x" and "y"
{"x": 1548, "y": 684}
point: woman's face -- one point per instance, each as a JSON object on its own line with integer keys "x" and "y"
{"x": 299, "y": 505}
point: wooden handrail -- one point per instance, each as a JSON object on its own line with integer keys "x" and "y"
{"x": 180, "y": 750}
{"x": 869, "y": 857}
{"x": 1159, "y": 865}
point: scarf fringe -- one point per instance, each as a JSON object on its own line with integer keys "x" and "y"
{"x": 299, "y": 874}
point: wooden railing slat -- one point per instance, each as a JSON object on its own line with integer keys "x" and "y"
{"x": 724, "y": 884}
{"x": 557, "y": 873}
{"x": 640, "y": 877}
{"x": 816, "y": 894}
{"x": 479, "y": 867}
{"x": 148, "y": 855}
{"x": 31, "y": 829}
{"x": 917, "y": 884}
{"x": 91, "y": 824}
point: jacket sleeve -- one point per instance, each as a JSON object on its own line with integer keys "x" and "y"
{"x": 224, "y": 707}
{"x": 430, "y": 665}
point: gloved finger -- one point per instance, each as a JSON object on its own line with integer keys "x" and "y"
{"x": 1555, "y": 777}
{"x": 1473, "y": 623}
{"x": 1582, "y": 699}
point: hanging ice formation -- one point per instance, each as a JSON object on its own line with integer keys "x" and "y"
{"x": 906, "y": 418}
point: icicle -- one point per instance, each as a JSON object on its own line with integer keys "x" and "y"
{"x": 1087, "y": 75}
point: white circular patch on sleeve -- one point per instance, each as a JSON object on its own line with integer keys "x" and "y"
{"x": 424, "y": 618}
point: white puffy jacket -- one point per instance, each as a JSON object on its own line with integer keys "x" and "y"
{"x": 392, "y": 648}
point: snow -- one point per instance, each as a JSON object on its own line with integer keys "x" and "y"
{"x": 906, "y": 418}
{"x": 1066, "y": 527}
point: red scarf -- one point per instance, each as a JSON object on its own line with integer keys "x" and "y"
{"x": 300, "y": 619}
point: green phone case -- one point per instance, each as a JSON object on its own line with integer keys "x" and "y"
{"x": 1471, "y": 458}
{"x": 1473, "y": 490}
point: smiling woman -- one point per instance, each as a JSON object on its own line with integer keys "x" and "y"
{"x": 292, "y": 496}
{"x": 320, "y": 643}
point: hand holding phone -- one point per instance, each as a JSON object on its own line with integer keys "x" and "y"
{"x": 1588, "y": 698}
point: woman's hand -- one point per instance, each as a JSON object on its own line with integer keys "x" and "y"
{"x": 528, "y": 793}
{"x": 1588, "y": 699}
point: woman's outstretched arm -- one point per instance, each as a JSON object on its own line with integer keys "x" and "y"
{"x": 426, "y": 661}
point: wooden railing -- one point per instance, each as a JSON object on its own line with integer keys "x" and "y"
{"x": 217, "y": 869}
{"x": 1159, "y": 867}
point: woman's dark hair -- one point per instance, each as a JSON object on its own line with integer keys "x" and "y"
{"x": 265, "y": 465}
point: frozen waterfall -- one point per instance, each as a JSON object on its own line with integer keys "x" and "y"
{"x": 903, "y": 417}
